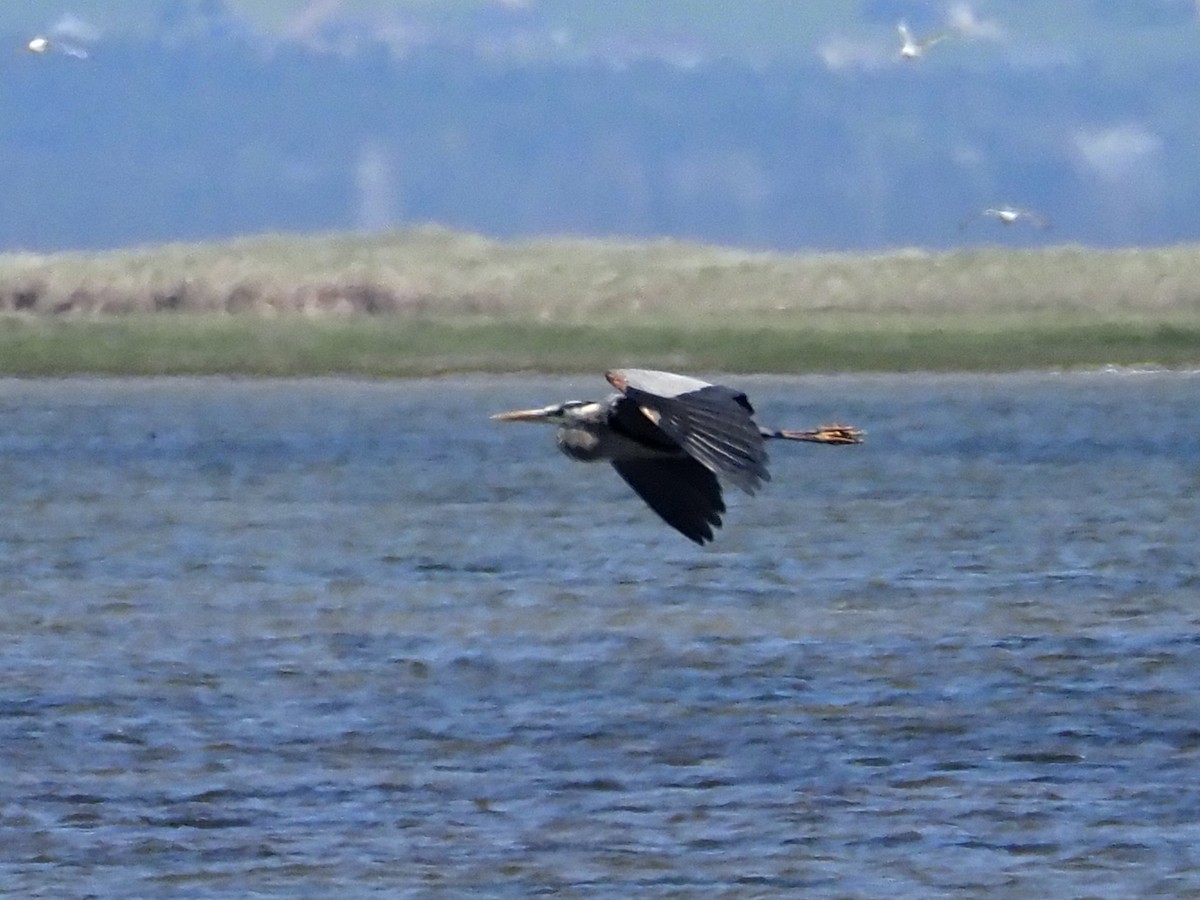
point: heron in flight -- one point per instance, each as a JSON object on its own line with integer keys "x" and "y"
{"x": 670, "y": 437}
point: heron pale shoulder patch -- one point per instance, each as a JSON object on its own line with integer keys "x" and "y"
{"x": 651, "y": 381}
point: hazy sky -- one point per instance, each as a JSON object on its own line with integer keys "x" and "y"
{"x": 765, "y": 123}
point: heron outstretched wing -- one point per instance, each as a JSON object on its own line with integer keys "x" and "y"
{"x": 682, "y": 491}
{"x": 711, "y": 423}
{"x": 674, "y": 439}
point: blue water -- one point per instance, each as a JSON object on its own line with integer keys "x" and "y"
{"x": 297, "y": 638}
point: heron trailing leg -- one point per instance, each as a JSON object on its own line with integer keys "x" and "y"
{"x": 825, "y": 434}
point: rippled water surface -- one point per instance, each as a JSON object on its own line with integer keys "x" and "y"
{"x": 299, "y": 638}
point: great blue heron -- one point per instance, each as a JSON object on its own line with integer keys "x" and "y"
{"x": 669, "y": 436}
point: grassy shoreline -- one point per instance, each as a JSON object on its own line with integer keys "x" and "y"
{"x": 427, "y": 301}
{"x": 199, "y": 345}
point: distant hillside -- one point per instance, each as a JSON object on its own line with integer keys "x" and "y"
{"x": 797, "y": 126}
{"x": 429, "y": 300}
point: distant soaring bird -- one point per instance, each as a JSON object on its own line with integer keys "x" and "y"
{"x": 670, "y": 436}
{"x": 42, "y": 44}
{"x": 1007, "y": 215}
{"x": 913, "y": 48}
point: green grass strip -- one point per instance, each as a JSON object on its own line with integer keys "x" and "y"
{"x": 384, "y": 346}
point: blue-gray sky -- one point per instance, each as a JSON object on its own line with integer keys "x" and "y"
{"x": 766, "y": 123}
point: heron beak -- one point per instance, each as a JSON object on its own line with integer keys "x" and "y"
{"x": 522, "y": 415}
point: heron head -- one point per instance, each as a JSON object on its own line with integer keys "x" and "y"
{"x": 556, "y": 414}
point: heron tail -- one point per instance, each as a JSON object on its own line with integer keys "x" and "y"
{"x": 825, "y": 434}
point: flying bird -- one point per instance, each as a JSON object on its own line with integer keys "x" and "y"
{"x": 70, "y": 36}
{"x": 43, "y": 44}
{"x": 913, "y": 48}
{"x": 673, "y": 438}
{"x": 1007, "y": 215}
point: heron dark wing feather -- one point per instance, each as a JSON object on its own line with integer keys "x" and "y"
{"x": 714, "y": 426}
{"x": 682, "y": 491}
{"x": 626, "y": 417}
{"x": 741, "y": 400}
